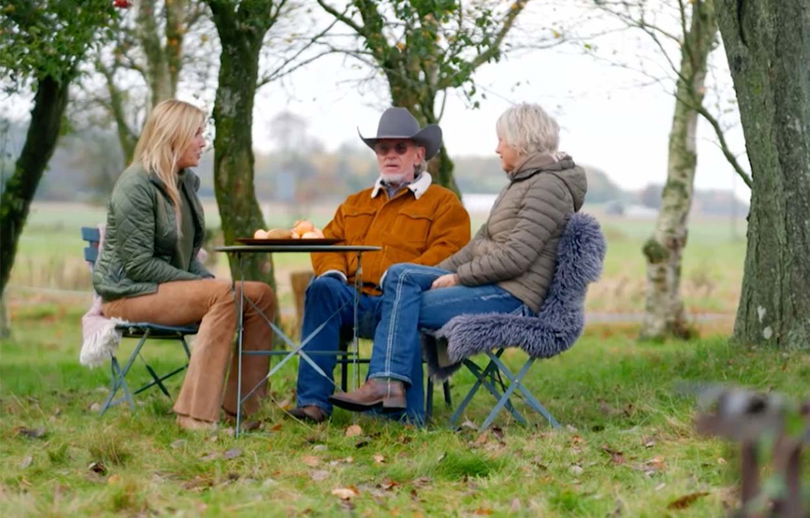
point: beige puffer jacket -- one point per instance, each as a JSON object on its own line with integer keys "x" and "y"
{"x": 517, "y": 247}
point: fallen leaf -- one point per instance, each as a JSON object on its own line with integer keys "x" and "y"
{"x": 31, "y": 433}
{"x": 515, "y": 507}
{"x": 198, "y": 483}
{"x": 576, "y": 470}
{"x": 276, "y": 427}
{"x": 319, "y": 475}
{"x": 232, "y": 453}
{"x": 95, "y": 407}
{"x": 320, "y": 447}
{"x": 310, "y": 460}
{"x": 469, "y": 424}
{"x": 379, "y": 459}
{"x": 721, "y": 460}
{"x": 482, "y": 439}
{"x": 27, "y": 461}
{"x": 422, "y": 481}
{"x": 114, "y": 479}
{"x": 483, "y": 511}
{"x": 179, "y": 443}
{"x": 346, "y": 493}
{"x": 209, "y": 456}
{"x": 98, "y": 467}
{"x": 686, "y": 500}
{"x": 616, "y": 456}
{"x": 354, "y": 430}
{"x": 656, "y": 463}
{"x": 388, "y": 484}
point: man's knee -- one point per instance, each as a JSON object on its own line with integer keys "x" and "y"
{"x": 323, "y": 289}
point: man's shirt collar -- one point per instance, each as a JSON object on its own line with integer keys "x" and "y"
{"x": 418, "y": 187}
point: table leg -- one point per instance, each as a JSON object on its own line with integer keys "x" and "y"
{"x": 358, "y": 286}
{"x": 240, "y": 323}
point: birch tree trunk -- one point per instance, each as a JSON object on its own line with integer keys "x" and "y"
{"x": 768, "y": 47}
{"x": 664, "y": 314}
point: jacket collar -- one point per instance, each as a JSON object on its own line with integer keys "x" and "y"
{"x": 418, "y": 187}
{"x": 537, "y": 162}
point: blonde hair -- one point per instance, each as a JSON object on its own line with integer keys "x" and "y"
{"x": 529, "y": 129}
{"x": 168, "y": 132}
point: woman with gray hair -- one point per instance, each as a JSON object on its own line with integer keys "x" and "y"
{"x": 506, "y": 268}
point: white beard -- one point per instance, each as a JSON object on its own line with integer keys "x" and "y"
{"x": 394, "y": 179}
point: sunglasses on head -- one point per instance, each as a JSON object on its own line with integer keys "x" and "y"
{"x": 400, "y": 148}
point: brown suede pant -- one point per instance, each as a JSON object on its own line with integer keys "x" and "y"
{"x": 212, "y": 303}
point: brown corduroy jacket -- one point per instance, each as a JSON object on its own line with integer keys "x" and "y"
{"x": 423, "y": 230}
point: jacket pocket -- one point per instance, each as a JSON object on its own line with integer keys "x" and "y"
{"x": 356, "y": 224}
{"x": 412, "y": 228}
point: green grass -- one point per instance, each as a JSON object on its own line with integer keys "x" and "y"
{"x": 629, "y": 446}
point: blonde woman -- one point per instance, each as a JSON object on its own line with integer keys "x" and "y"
{"x": 149, "y": 271}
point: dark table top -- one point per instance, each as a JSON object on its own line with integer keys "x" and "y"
{"x": 297, "y": 248}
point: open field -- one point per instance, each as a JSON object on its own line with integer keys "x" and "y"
{"x": 49, "y": 257}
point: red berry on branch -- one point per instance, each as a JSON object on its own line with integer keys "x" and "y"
{"x": 122, "y": 4}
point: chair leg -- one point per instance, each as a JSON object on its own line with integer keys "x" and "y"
{"x": 448, "y": 399}
{"x": 476, "y": 370}
{"x": 516, "y": 382}
{"x": 486, "y": 377}
{"x": 118, "y": 382}
{"x": 429, "y": 400}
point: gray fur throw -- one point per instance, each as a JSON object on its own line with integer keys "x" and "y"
{"x": 556, "y": 326}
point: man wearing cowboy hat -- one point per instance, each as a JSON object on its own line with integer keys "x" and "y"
{"x": 412, "y": 219}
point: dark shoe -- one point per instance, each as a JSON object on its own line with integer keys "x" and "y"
{"x": 311, "y": 413}
{"x": 388, "y": 394}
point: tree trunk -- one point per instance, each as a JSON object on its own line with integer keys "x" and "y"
{"x": 768, "y": 47}
{"x": 664, "y": 314}
{"x": 157, "y": 63}
{"x": 233, "y": 145}
{"x": 127, "y": 139}
{"x": 40, "y": 140}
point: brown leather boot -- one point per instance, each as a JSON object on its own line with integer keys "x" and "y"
{"x": 375, "y": 392}
{"x": 311, "y": 413}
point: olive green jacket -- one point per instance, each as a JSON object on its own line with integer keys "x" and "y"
{"x": 141, "y": 236}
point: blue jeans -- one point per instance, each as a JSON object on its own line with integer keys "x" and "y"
{"x": 409, "y": 305}
{"x": 329, "y": 298}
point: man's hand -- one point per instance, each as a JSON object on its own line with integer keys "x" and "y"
{"x": 445, "y": 281}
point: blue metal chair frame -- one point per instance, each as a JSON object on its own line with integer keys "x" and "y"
{"x": 489, "y": 377}
{"x": 143, "y": 331}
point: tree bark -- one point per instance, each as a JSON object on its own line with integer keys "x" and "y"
{"x": 239, "y": 210}
{"x": 768, "y": 47}
{"x": 161, "y": 86}
{"x": 664, "y": 314}
{"x": 50, "y": 102}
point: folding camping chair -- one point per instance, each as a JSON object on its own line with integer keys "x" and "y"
{"x": 553, "y": 330}
{"x": 143, "y": 331}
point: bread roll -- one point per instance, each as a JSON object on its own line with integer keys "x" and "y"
{"x": 279, "y": 233}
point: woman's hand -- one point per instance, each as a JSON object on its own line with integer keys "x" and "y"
{"x": 445, "y": 281}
